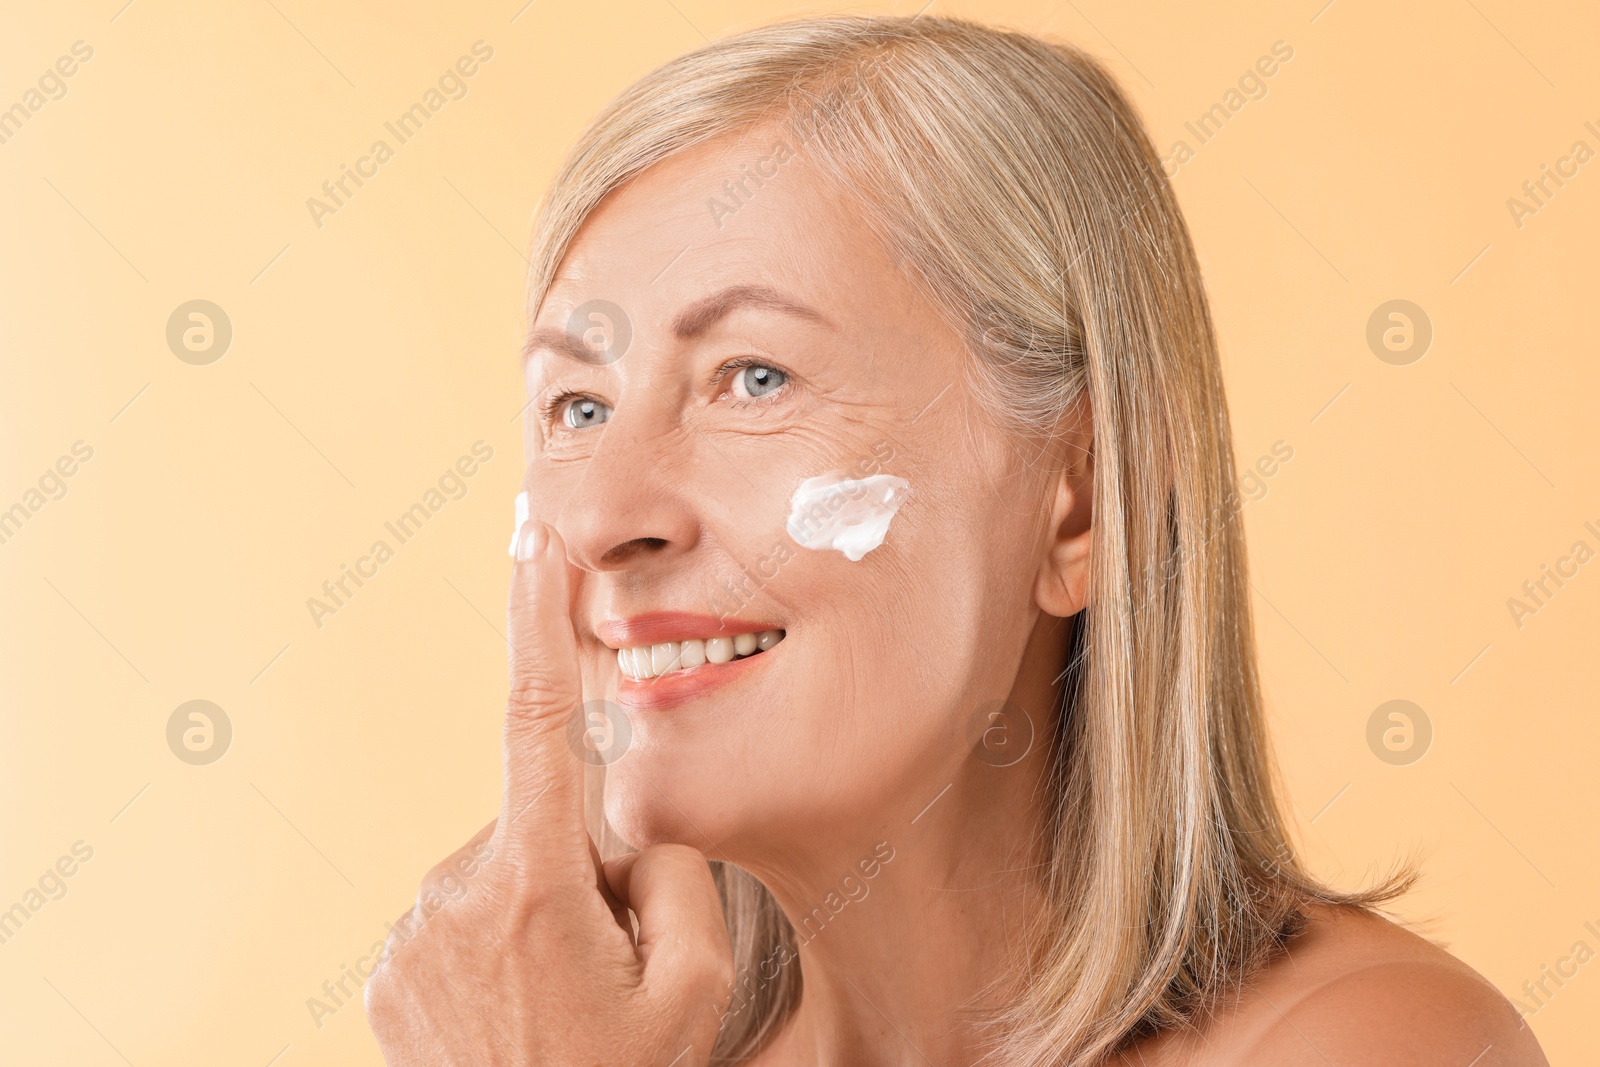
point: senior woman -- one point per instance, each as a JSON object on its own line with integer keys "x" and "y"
{"x": 881, "y": 517}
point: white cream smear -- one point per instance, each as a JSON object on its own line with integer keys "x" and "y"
{"x": 848, "y": 514}
{"x": 522, "y": 517}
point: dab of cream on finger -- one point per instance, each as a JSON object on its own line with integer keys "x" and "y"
{"x": 849, "y": 514}
{"x": 522, "y": 517}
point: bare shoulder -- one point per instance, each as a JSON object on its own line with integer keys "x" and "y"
{"x": 1355, "y": 988}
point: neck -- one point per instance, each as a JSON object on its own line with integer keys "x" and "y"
{"x": 910, "y": 932}
{"x": 905, "y": 972}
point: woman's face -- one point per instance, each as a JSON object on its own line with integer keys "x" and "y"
{"x": 755, "y": 343}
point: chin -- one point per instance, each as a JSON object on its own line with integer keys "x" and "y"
{"x": 672, "y": 804}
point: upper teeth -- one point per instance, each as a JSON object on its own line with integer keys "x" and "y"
{"x": 652, "y": 661}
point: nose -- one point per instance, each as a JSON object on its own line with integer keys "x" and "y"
{"x": 629, "y": 508}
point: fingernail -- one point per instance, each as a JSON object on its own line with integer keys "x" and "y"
{"x": 516, "y": 526}
{"x": 534, "y": 537}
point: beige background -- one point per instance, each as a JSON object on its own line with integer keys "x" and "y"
{"x": 370, "y": 353}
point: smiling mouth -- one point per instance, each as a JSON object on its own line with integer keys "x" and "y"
{"x": 641, "y": 663}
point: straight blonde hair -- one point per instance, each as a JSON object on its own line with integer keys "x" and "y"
{"x": 1014, "y": 178}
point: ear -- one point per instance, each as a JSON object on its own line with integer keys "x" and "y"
{"x": 1061, "y": 587}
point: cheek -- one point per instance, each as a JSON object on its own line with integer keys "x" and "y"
{"x": 949, "y": 595}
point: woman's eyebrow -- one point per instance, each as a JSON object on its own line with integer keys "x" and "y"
{"x": 692, "y": 321}
{"x": 705, "y": 312}
{"x": 562, "y": 343}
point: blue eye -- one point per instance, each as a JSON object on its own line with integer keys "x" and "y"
{"x": 757, "y": 380}
{"x": 581, "y": 411}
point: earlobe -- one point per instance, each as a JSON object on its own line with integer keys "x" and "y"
{"x": 1061, "y": 587}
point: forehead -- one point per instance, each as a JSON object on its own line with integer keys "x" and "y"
{"x": 732, "y": 211}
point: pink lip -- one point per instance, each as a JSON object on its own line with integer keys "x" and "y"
{"x": 659, "y": 627}
{"x": 679, "y": 687}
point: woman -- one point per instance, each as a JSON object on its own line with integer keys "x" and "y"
{"x": 880, "y": 570}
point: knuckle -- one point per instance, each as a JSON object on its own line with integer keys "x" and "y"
{"x": 399, "y": 949}
{"x": 436, "y": 920}
{"x": 391, "y": 1009}
{"x": 377, "y": 993}
{"x": 540, "y": 683}
{"x": 381, "y": 997}
{"x": 536, "y": 898}
{"x": 443, "y": 882}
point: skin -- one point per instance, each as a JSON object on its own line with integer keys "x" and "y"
{"x": 850, "y": 740}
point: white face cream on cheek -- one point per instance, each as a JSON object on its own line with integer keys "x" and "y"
{"x": 522, "y": 517}
{"x": 841, "y": 512}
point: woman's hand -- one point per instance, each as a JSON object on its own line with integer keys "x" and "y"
{"x": 532, "y": 959}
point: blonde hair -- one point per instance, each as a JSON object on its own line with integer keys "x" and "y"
{"x": 1016, "y": 180}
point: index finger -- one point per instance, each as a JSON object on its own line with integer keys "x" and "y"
{"x": 542, "y": 805}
